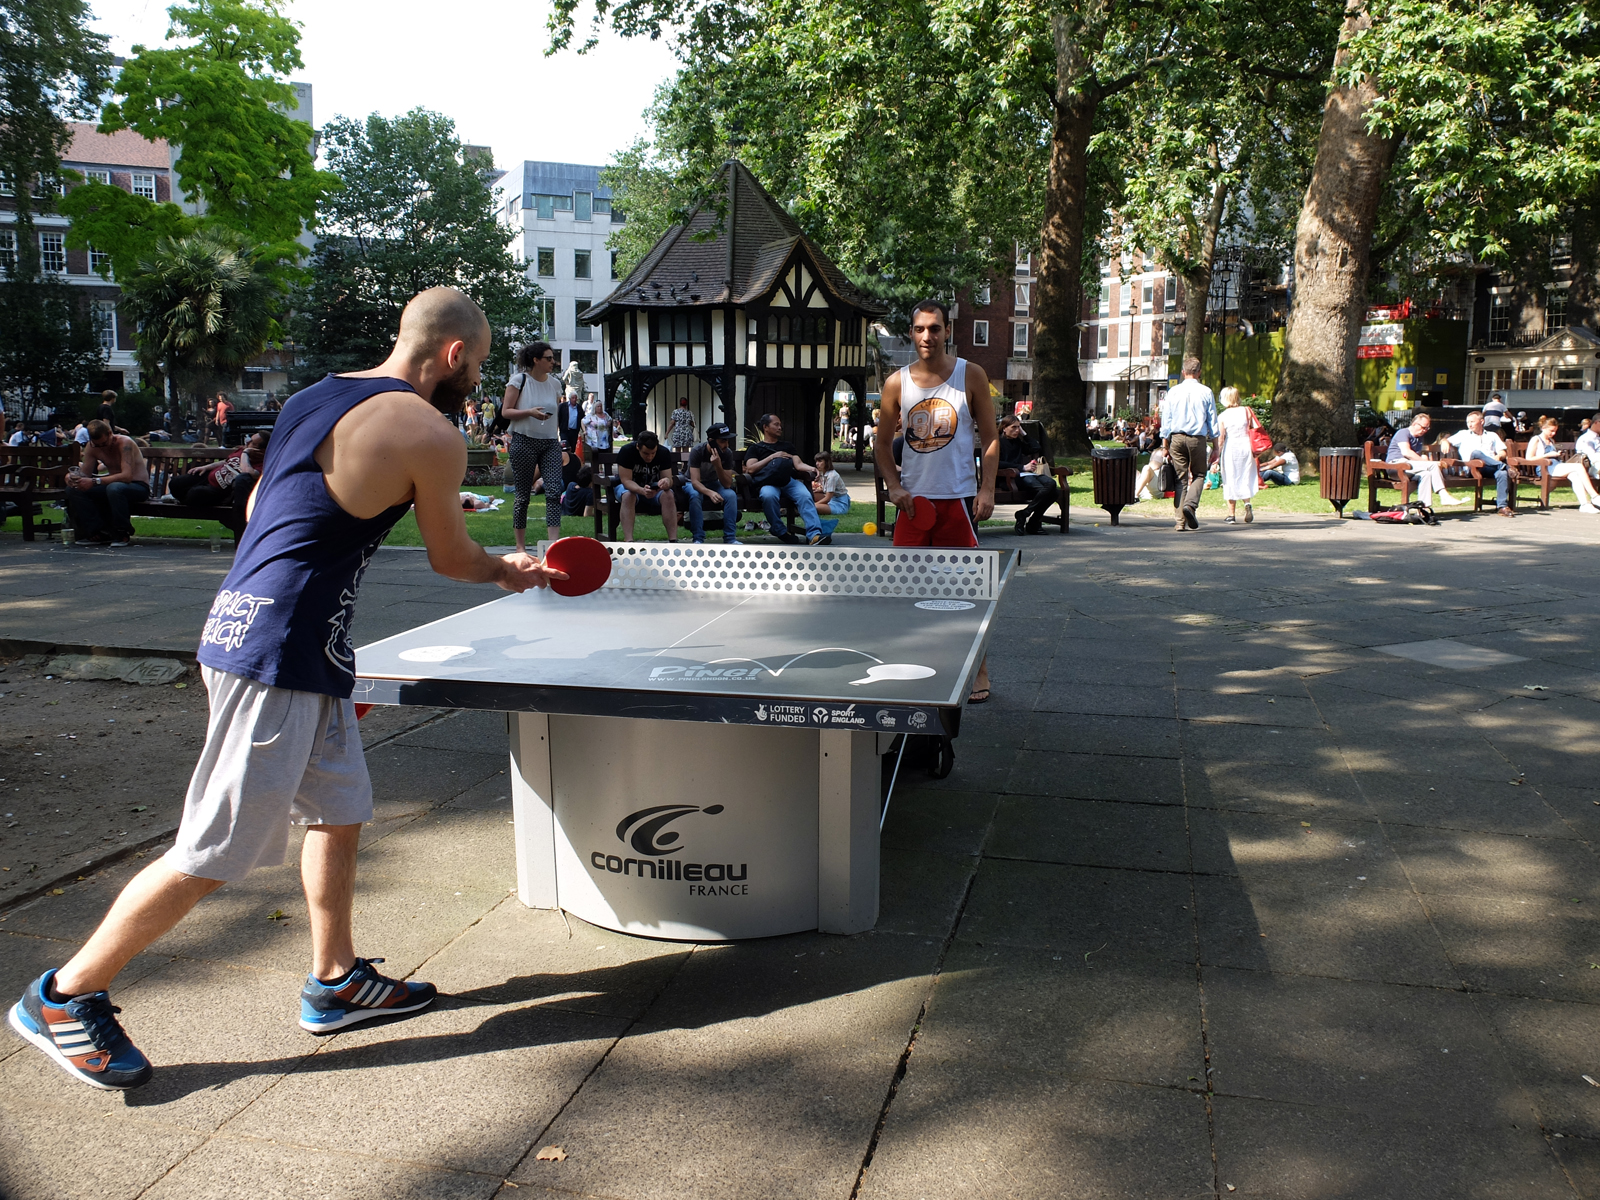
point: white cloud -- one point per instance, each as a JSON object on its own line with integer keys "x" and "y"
{"x": 480, "y": 63}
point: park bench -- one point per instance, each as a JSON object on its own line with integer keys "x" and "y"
{"x": 1381, "y": 474}
{"x": 608, "y": 509}
{"x": 1527, "y": 470}
{"x": 1470, "y": 474}
{"x": 1005, "y": 485}
{"x": 30, "y": 478}
{"x": 166, "y": 461}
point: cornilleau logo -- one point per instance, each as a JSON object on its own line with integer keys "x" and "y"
{"x": 649, "y": 825}
{"x": 232, "y": 614}
{"x": 646, "y": 833}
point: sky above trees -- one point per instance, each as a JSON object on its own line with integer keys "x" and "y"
{"x": 396, "y": 71}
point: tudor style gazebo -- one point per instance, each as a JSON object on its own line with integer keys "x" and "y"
{"x": 737, "y": 310}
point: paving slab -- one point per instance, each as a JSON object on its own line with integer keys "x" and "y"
{"x": 276, "y": 1171}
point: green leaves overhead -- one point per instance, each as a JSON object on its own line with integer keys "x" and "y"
{"x": 415, "y": 212}
{"x": 1497, "y": 104}
{"x": 221, "y": 100}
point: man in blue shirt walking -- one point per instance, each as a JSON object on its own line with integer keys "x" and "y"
{"x": 1188, "y": 420}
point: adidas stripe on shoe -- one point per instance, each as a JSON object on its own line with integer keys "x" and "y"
{"x": 81, "y": 1035}
{"x": 359, "y": 996}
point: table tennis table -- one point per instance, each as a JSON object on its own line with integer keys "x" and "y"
{"x": 696, "y": 747}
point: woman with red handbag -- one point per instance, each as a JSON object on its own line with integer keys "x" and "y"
{"x": 1237, "y": 455}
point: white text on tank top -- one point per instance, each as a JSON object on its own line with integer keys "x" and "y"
{"x": 535, "y": 393}
{"x": 940, "y": 456}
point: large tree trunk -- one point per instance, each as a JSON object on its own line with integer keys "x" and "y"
{"x": 1315, "y": 401}
{"x": 1057, "y": 390}
{"x": 1197, "y": 283}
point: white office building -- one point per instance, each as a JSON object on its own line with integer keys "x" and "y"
{"x": 560, "y": 222}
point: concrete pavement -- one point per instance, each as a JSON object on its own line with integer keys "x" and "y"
{"x": 1222, "y": 899}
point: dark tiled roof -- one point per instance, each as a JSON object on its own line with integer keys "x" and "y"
{"x": 690, "y": 265}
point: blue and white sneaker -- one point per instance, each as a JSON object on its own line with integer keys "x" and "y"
{"x": 359, "y": 996}
{"x": 81, "y": 1035}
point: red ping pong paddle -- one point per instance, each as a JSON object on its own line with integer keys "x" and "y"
{"x": 924, "y": 515}
{"x": 363, "y": 709}
{"x": 586, "y": 563}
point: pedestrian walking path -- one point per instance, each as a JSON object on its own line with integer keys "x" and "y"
{"x": 1270, "y": 870}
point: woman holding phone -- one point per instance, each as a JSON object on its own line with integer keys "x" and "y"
{"x": 529, "y": 407}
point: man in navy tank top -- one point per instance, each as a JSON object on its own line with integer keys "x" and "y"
{"x": 349, "y": 457}
{"x": 941, "y": 406}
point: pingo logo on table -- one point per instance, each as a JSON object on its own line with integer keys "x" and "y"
{"x": 646, "y": 832}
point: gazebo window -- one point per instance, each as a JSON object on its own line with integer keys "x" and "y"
{"x": 678, "y": 327}
{"x": 809, "y": 329}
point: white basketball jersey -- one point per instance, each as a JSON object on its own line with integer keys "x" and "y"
{"x": 940, "y": 459}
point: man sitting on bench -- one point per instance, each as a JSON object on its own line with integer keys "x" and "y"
{"x": 711, "y": 483}
{"x": 645, "y": 469}
{"x": 773, "y": 465}
{"x": 227, "y": 482}
{"x": 94, "y": 503}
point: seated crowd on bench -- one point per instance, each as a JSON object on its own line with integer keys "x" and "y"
{"x": 651, "y": 480}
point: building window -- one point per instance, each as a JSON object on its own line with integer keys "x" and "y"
{"x": 1569, "y": 379}
{"x": 616, "y": 271}
{"x": 1024, "y": 298}
{"x": 1555, "y": 310}
{"x": 588, "y": 360}
{"x": 546, "y": 310}
{"x": 1561, "y": 251}
{"x": 1485, "y": 386}
{"x": 95, "y": 175}
{"x": 1528, "y": 379}
{"x": 1502, "y": 380}
{"x": 980, "y": 295}
{"x": 144, "y": 185}
{"x": 675, "y": 327}
{"x": 1149, "y": 298}
{"x": 1024, "y": 262}
{"x": 803, "y": 330}
{"x": 1172, "y": 293}
{"x": 1105, "y": 299}
{"x": 582, "y": 206}
{"x": 581, "y": 333}
{"x": 547, "y": 262}
{"x": 544, "y": 207}
{"x": 1144, "y": 339}
{"x": 602, "y": 207}
{"x": 1499, "y": 319}
{"x": 1019, "y": 340}
{"x": 980, "y": 333}
{"x": 99, "y": 262}
{"x": 580, "y": 264}
{"x": 5, "y": 185}
{"x": 105, "y": 312}
{"x": 8, "y": 251}
{"x": 53, "y": 253}
{"x": 1124, "y": 340}
{"x": 1124, "y": 298}
{"x": 1105, "y": 334}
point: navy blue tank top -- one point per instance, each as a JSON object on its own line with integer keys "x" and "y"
{"x": 283, "y": 614}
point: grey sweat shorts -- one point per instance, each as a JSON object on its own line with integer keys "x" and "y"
{"x": 272, "y": 758}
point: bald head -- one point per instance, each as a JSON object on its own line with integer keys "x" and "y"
{"x": 436, "y": 318}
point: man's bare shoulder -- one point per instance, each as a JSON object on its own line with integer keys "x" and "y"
{"x": 977, "y": 379}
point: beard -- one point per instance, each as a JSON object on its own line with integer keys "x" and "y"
{"x": 452, "y": 391}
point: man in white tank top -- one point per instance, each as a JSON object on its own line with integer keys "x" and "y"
{"x": 941, "y": 404}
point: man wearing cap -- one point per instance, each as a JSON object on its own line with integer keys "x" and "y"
{"x": 711, "y": 482}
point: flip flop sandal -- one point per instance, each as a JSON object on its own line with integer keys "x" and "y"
{"x": 974, "y": 697}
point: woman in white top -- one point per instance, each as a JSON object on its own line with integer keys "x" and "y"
{"x": 1542, "y": 450}
{"x": 532, "y": 397}
{"x": 597, "y": 427}
{"x": 1240, "y": 478}
{"x": 1150, "y": 475}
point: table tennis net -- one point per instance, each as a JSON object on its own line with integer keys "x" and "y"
{"x": 818, "y": 570}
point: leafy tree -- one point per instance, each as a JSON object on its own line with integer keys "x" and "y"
{"x": 415, "y": 212}
{"x": 221, "y": 99}
{"x": 1483, "y": 116}
{"x": 49, "y": 341}
{"x": 205, "y": 305}
{"x": 52, "y": 68}
{"x": 121, "y": 225}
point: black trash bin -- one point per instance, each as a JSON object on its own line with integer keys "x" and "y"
{"x": 1340, "y": 468}
{"x": 1114, "y": 470}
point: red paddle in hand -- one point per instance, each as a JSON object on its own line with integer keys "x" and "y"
{"x": 923, "y": 515}
{"x": 586, "y": 563}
